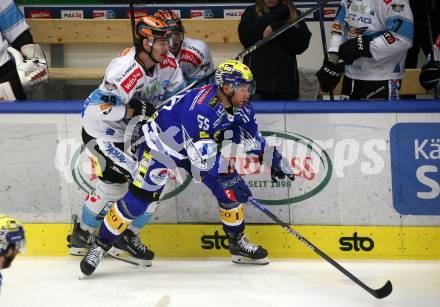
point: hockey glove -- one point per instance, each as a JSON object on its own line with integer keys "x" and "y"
{"x": 280, "y": 168}
{"x": 142, "y": 108}
{"x": 355, "y": 48}
{"x": 429, "y": 75}
{"x": 330, "y": 73}
{"x": 31, "y": 66}
{"x": 234, "y": 187}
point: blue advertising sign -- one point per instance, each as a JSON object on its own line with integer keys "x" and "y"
{"x": 415, "y": 163}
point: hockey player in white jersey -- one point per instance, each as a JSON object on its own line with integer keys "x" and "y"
{"x": 133, "y": 83}
{"x": 369, "y": 42}
{"x": 195, "y": 61}
{"x": 193, "y": 55}
{"x": 186, "y": 134}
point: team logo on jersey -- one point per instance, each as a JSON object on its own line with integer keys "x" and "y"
{"x": 168, "y": 62}
{"x": 159, "y": 176}
{"x": 126, "y": 72}
{"x": 190, "y": 57}
{"x": 398, "y": 8}
{"x": 106, "y": 108}
{"x": 203, "y": 96}
{"x": 109, "y": 86}
{"x": 354, "y": 31}
{"x": 389, "y": 37}
{"x": 165, "y": 83}
{"x": 214, "y": 101}
{"x": 130, "y": 82}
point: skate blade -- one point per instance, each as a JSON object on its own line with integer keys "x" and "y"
{"x": 126, "y": 257}
{"x": 245, "y": 260}
{"x": 78, "y": 251}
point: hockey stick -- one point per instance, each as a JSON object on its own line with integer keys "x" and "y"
{"x": 378, "y": 293}
{"x": 132, "y": 21}
{"x": 431, "y": 40}
{"x": 252, "y": 48}
{"x": 323, "y": 39}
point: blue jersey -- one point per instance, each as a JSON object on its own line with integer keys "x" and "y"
{"x": 192, "y": 125}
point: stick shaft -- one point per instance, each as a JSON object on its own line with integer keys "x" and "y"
{"x": 323, "y": 38}
{"x": 312, "y": 247}
{"x": 253, "y": 47}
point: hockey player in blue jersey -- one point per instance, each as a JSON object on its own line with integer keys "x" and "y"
{"x": 185, "y": 134}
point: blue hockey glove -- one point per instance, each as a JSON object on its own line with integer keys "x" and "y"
{"x": 355, "y": 48}
{"x": 280, "y": 168}
{"x": 235, "y": 188}
{"x": 429, "y": 75}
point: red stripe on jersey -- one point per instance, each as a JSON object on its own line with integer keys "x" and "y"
{"x": 190, "y": 57}
{"x": 168, "y": 62}
{"x": 130, "y": 82}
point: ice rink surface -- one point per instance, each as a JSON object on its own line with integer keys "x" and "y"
{"x": 208, "y": 283}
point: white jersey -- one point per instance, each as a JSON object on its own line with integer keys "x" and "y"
{"x": 195, "y": 59}
{"x": 12, "y": 24}
{"x": 389, "y": 23}
{"x": 104, "y": 110}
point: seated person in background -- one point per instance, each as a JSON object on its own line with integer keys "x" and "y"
{"x": 193, "y": 55}
{"x": 274, "y": 64}
{"x": 30, "y": 68}
{"x": 369, "y": 42}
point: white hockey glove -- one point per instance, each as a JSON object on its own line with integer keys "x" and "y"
{"x": 31, "y": 66}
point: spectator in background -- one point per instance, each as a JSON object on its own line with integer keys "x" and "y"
{"x": 421, "y": 29}
{"x": 420, "y": 9}
{"x": 430, "y": 72}
{"x": 274, "y": 64}
{"x": 12, "y": 241}
{"x": 30, "y": 68}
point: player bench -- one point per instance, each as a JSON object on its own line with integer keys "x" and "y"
{"x": 410, "y": 84}
{"x": 58, "y": 32}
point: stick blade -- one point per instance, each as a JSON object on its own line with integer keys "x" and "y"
{"x": 384, "y": 291}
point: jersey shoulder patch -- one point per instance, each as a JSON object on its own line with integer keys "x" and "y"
{"x": 169, "y": 61}
{"x": 187, "y": 56}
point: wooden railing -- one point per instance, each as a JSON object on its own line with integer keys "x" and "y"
{"x": 118, "y": 31}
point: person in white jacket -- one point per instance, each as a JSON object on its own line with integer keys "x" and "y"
{"x": 368, "y": 45}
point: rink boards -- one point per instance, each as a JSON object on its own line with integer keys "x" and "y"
{"x": 374, "y": 165}
{"x": 202, "y": 241}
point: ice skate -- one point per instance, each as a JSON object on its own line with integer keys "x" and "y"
{"x": 245, "y": 252}
{"x": 96, "y": 253}
{"x": 78, "y": 240}
{"x": 130, "y": 248}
